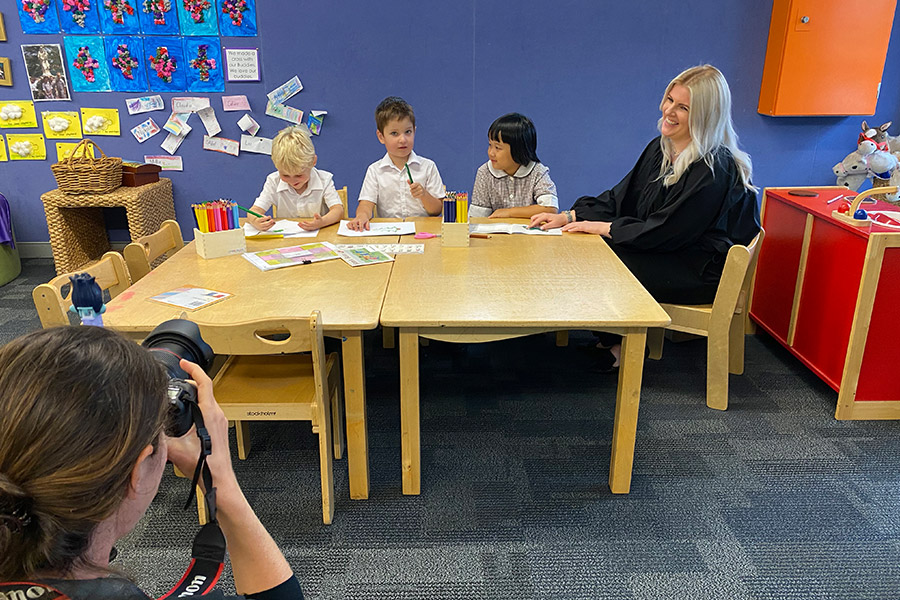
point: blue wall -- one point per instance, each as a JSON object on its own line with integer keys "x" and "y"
{"x": 590, "y": 74}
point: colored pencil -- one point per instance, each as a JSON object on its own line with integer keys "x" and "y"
{"x": 408, "y": 174}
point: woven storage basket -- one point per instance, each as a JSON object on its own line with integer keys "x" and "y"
{"x": 88, "y": 175}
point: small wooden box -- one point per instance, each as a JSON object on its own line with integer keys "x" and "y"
{"x": 455, "y": 235}
{"x": 220, "y": 243}
{"x": 137, "y": 174}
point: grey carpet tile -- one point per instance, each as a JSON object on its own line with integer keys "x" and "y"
{"x": 770, "y": 500}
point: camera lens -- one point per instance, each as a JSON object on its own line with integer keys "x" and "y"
{"x": 177, "y": 339}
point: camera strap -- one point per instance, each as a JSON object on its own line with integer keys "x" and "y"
{"x": 208, "y": 550}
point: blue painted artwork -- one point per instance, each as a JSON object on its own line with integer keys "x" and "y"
{"x": 38, "y": 16}
{"x": 124, "y": 56}
{"x": 80, "y": 17}
{"x": 204, "y": 60}
{"x": 158, "y": 17}
{"x": 166, "y": 69}
{"x": 237, "y": 17}
{"x": 119, "y": 16}
{"x": 197, "y": 17}
{"x": 86, "y": 59}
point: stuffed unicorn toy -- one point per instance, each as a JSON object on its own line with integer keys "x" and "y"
{"x": 871, "y": 159}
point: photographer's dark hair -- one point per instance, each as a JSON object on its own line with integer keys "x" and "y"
{"x": 517, "y": 131}
{"x": 77, "y": 407}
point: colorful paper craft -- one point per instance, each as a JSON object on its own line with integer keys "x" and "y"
{"x": 61, "y": 125}
{"x": 86, "y": 60}
{"x": 100, "y": 121}
{"x": 166, "y": 68}
{"x": 119, "y": 16}
{"x": 144, "y": 104}
{"x": 203, "y": 57}
{"x": 237, "y": 17}
{"x": 38, "y": 16}
{"x": 145, "y": 130}
{"x": 158, "y": 17}
{"x": 230, "y": 103}
{"x": 17, "y": 114}
{"x": 314, "y": 121}
{"x": 26, "y": 146}
{"x": 278, "y": 258}
{"x": 197, "y": 17}
{"x": 124, "y": 54}
{"x": 79, "y": 16}
{"x": 167, "y": 163}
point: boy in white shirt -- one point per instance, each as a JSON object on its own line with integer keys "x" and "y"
{"x": 297, "y": 188}
{"x": 402, "y": 184}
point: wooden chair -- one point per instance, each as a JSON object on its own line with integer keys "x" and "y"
{"x": 265, "y": 379}
{"x": 342, "y": 193}
{"x": 143, "y": 252}
{"x": 52, "y": 299}
{"x": 721, "y": 322}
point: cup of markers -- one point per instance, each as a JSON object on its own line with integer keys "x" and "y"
{"x": 455, "y": 225}
{"x": 217, "y": 215}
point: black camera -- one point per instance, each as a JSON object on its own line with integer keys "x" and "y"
{"x": 168, "y": 343}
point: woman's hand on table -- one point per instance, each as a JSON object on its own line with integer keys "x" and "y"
{"x": 594, "y": 227}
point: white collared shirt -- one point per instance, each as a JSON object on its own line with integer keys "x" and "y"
{"x": 318, "y": 197}
{"x": 388, "y": 187}
{"x": 494, "y": 189}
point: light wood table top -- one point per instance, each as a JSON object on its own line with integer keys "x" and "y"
{"x": 509, "y": 286}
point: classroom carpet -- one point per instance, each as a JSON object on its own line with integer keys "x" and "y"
{"x": 771, "y": 499}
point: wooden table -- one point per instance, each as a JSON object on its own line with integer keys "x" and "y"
{"x": 349, "y": 299}
{"x": 510, "y": 286}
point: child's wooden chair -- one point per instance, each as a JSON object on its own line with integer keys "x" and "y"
{"x": 143, "y": 252}
{"x": 265, "y": 378}
{"x": 342, "y": 194}
{"x": 722, "y": 322}
{"x": 52, "y": 299}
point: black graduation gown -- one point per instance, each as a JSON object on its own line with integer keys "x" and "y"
{"x": 675, "y": 239}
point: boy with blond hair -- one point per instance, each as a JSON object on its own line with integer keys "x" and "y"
{"x": 402, "y": 184}
{"x": 297, "y": 188}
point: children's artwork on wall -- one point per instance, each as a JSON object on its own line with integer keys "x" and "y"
{"x": 3, "y": 156}
{"x": 197, "y": 17}
{"x": 119, "y": 16}
{"x": 101, "y": 121}
{"x": 46, "y": 74}
{"x": 38, "y": 16}
{"x": 204, "y": 60}
{"x": 124, "y": 55}
{"x": 86, "y": 59}
{"x": 65, "y": 149}
{"x": 79, "y": 16}
{"x": 17, "y": 114}
{"x": 26, "y": 146}
{"x": 61, "y": 125}
{"x": 166, "y": 67}
{"x": 158, "y": 17}
{"x": 237, "y": 17}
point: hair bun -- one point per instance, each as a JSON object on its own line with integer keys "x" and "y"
{"x": 15, "y": 504}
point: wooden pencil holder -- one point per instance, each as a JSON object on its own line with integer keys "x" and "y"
{"x": 455, "y": 235}
{"x": 220, "y": 243}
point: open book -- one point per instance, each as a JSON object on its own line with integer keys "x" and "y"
{"x": 510, "y": 228}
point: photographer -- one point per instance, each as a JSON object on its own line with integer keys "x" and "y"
{"x": 82, "y": 452}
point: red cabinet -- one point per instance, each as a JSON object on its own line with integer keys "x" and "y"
{"x": 830, "y": 293}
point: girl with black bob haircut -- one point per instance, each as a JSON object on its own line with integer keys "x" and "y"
{"x": 513, "y": 182}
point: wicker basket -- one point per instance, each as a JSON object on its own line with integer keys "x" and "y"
{"x": 85, "y": 174}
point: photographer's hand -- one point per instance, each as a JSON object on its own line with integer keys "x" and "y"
{"x": 256, "y": 562}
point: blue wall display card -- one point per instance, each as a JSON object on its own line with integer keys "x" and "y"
{"x": 38, "y": 16}
{"x": 119, "y": 16}
{"x": 88, "y": 68}
{"x": 125, "y": 58}
{"x": 197, "y": 17}
{"x": 166, "y": 68}
{"x": 237, "y": 17}
{"x": 204, "y": 59}
{"x": 159, "y": 17}
{"x": 79, "y": 16}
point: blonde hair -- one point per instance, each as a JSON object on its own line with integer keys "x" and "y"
{"x": 710, "y": 122}
{"x": 293, "y": 150}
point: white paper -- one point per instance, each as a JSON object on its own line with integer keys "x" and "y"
{"x": 168, "y": 163}
{"x": 177, "y": 124}
{"x": 144, "y": 104}
{"x": 379, "y": 229}
{"x": 511, "y": 228}
{"x": 189, "y": 104}
{"x": 248, "y": 124}
{"x": 208, "y": 117}
{"x": 145, "y": 130}
{"x": 171, "y": 143}
{"x": 241, "y": 64}
{"x": 223, "y": 145}
{"x": 285, "y": 90}
{"x": 282, "y": 227}
{"x": 235, "y": 103}
{"x": 259, "y": 145}
{"x": 285, "y": 113}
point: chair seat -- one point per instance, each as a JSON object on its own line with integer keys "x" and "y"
{"x": 689, "y": 318}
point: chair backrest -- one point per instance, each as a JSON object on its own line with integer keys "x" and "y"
{"x": 342, "y": 194}
{"x": 142, "y": 252}
{"x": 52, "y": 303}
{"x": 734, "y": 287}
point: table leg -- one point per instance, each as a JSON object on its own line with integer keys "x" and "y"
{"x": 355, "y": 402}
{"x": 411, "y": 452}
{"x": 628, "y": 398}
